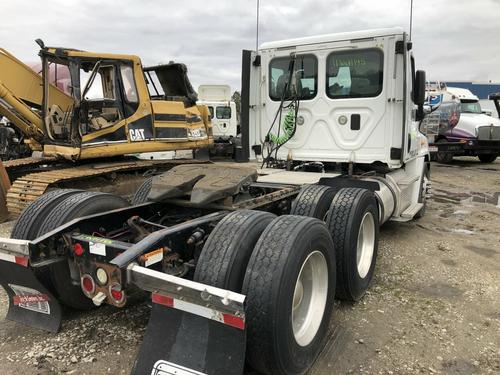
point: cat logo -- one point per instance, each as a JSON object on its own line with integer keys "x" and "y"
{"x": 136, "y": 135}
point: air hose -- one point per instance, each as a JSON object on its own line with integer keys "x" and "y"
{"x": 288, "y": 126}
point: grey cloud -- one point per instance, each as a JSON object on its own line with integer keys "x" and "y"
{"x": 454, "y": 39}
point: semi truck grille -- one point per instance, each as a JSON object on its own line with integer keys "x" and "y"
{"x": 488, "y": 133}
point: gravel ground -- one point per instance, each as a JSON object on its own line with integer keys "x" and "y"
{"x": 434, "y": 306}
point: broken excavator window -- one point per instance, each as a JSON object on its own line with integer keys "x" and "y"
{"x": 354, "y": 74}
{"x": 103, "y": 86}
{"x": 304, "y": 83}
{"x": 129, "y": 84}
{"x": 223, "y": 113}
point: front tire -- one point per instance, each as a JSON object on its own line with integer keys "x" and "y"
{"x": 289, "y": 286}
{"x": 443, "y": 157}
{"x": 354, "y": 225}
{"x": 487, "y": 158}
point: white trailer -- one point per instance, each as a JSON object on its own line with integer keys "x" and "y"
{"x": 243, "y": 265}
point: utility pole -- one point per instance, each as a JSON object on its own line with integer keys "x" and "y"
{"x": 411, "y": 16}
{"x": 257, "y": 36}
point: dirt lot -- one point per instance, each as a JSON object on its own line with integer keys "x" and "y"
{"x": 434, "y": 306}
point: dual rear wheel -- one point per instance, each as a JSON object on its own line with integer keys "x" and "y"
{"x": 290, "y": 268}
{"x": 286, "y": 268}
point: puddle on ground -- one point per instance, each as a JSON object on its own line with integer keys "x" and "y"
{"x": 441, "y": 290}
{"x": 444, "y": 196}
{"x": 449, "y": 262}
{"x": 458, "y": 366}
{"x": 485, "y": 252}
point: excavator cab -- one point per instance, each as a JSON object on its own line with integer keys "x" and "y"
{"x": 93, "y": 105}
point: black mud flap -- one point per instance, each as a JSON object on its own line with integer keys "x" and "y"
{"x": 30, "y": 303}
{"x": 182, "y": 343}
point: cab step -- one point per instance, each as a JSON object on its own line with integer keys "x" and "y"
{"x": 411, "y": 211}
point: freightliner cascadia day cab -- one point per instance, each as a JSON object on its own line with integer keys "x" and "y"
{"x": 244, "y": 263}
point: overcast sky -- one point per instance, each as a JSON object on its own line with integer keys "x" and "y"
{"x": 453, "y": 39}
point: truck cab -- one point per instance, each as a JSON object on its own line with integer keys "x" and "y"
{"x": 352, "y": 94}
{"x": 223, "y": 114}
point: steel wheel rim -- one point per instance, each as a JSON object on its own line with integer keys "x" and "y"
{"x": 309, "y": 298}
{"x": 366, "y": 244}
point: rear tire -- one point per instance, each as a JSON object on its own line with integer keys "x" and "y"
{"x": 78, "y": 205}
{"x": 313, "y": 201}
{"x": 289, "y": 285}
{"x": 443, "y": 157}
{"x": 354, "y": 225}
{"x": 487, "y": 158}
{"x": 141, "y": 195}
{"x": 28, "y": 223}
{"x": 224, "y": 258}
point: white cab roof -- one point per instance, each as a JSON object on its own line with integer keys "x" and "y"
{"x": 462, "y": 93}
{"x": 214, "y": 93}
{"x": 332, "y": 38}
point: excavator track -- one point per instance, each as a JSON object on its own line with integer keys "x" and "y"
{"x": 29, "y": 187}
{"x": 23, "y": 162}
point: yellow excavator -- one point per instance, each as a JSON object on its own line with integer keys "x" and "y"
{"x": 87, "y": 113}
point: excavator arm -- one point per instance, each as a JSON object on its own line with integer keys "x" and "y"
{"x": 21, "y": 96}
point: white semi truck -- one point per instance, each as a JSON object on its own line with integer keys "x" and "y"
{"x": 224, "y": 115}
{"x": 243, "y": 263}
{"x": 466, "y": 131}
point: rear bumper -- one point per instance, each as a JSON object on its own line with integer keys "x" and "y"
{"x": 15, "y": 251}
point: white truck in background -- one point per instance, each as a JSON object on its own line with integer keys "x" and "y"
{"x": 470, "y": 132}
{"x": 224, "y": 115}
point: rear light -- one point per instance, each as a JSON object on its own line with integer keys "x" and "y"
{"x": 87, "y": 284}
{"x": 116, "y": 292}
{"x": 102, "y": 276}
{"x": 78, "y": 249}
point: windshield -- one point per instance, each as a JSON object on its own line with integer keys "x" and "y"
{"x": 470, "y": 107}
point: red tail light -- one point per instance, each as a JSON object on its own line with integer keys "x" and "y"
{"x": 78, "y": 249}
{"x": 116, "y": 292}
{"x": 88, "y": 285}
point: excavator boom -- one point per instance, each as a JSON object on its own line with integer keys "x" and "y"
{"x": 21, "y": 96}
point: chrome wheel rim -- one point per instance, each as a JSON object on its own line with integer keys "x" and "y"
{"x": 309, "y": 298}
{"x": 366, "y": 244}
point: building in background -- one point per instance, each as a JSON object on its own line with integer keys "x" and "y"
{"x": 481, "y": 90}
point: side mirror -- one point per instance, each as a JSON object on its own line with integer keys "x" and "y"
{"x": 419, "y": 88}
{"x": 419, "y": 94}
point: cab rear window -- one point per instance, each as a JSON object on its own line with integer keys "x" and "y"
{"x": 304, "y": 82}
{"x": 354, "y": 74}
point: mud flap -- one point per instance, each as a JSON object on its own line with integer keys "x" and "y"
{"x": 193, "y": 329}
{"x": 30, "y": 303}
{"x": 178, "y": 342}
